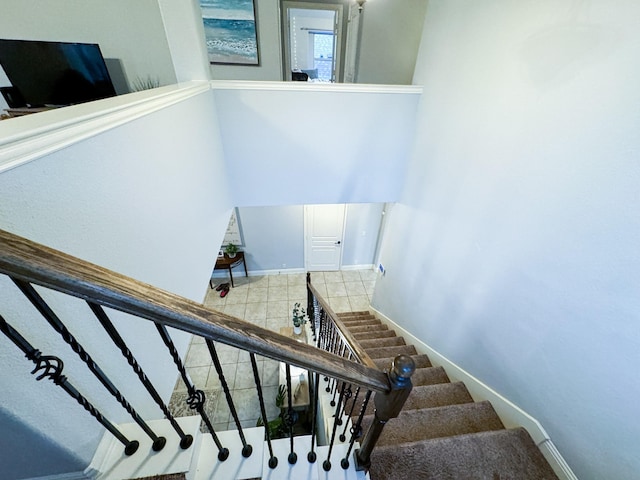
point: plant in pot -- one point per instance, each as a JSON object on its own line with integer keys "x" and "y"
{"x": 299, "y": 318}
{"x": 231, "y": 249}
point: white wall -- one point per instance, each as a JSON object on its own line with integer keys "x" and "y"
{"x": 147, "y": 199}
{"x": 514, "y": 251}
{"x": 274, "y": 236}
{"x": 130, "y": 31}
{"x": 361, "y": 233}
{"x": 390, "y": 37}
{"x": 292, "y": 143}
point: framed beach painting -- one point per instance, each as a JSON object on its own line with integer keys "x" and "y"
{"x": 230, "y": 31}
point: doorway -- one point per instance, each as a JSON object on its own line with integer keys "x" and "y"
{"x": 312, "y": 40}
{"x": 324, "y": 230}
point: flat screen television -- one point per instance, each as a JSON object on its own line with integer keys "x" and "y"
{"x": 56, "y": 73}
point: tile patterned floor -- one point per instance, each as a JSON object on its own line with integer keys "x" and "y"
{"x": 266, "y": 301}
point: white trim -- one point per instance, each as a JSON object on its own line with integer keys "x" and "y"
{"x": 65, "y": 476}
{"x": 511, "y": 415}
{"x": 32, "y": 136}
{"x": 368, "y": 266}
{"x": 315, "y": 87}
{"x": 257, "y": 273}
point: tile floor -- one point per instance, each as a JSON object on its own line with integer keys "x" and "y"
{"x": 266, "y": 301}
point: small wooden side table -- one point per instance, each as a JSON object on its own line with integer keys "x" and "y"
{"x": 226, "y": 263}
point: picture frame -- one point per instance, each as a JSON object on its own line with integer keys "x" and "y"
{"x": 231, "y": 33}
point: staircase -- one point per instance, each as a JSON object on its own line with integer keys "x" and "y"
{"x": 441, "y": 432}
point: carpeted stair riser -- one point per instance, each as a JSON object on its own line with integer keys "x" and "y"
{"x": 375, "y": 334}
{"x": 358, "y": 312}
{"x": 421, "y": 361}
{"x": 351, "y": 318}
{"x": 429, "y": 376}
{"x": 368, "y": 328}
{"x": 383, "y": 352}
{"x": 499, "y": 455}
{"x": 382, "y": 342}
{"x": 426, "y": 396}
{"x": 360, "y": 323}
{"x": 445, "y": 421}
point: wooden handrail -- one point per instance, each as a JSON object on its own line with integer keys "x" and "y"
{"x": 343, "y": 331}
{"x": 26, "y": 260}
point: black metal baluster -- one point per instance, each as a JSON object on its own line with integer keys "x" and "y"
{"x": 246, "y": 448}
{"x": 51, "y": 368}
{"x": 310, "y": 307}
{"x": 343, "y": 436}
{"x": 196, "y": 398}
{"x": 356, "y": 430}
{"x": 58, "y": 326}
{"x": 273, "y": 461}
{"x": 101, "y": 315}
{"x": 326, "y": 465}
{"x": 291, "y": 417}
{"x": 311, "y": 456}
{"x": 335, "y": 382}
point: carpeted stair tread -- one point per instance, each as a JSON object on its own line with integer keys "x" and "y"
{"x": 359, "y": 323}
{"x": 426, "y": 396}
{"x": 429, "y": 376}
{"x": 426, "y": 423}
{"x": 496, "y": 455}
{"x": 368, "y": 328}
{"x": 382, "y": 342}
{"x": 374, "y": 334}
{"x": 356, "y": 313}
{"x": 421, "y": 361}
{"x": 383, "y": 352}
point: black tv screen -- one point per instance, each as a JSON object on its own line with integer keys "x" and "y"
{"x": 56, "y": 73}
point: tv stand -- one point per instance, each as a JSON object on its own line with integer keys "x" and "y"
{"x": 19, "y": 112}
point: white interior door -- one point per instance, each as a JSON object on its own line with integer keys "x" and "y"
{"x": 324, "y": 228}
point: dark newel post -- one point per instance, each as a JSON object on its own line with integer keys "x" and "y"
{"x": 388, "y": 406}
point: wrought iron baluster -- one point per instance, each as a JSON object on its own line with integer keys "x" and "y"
{"x": 356, "y": 429}
{"x": 343, "y": 436}
{"x": 326, "y": 465}
{"x": 310, "y": 307}
{"x": 291, "y": 417}
{"x": 246, "y": 448}
{"x": 273, "y": 460}
{"x": 48, "y": 366}
{"x": 335, "y": 383}
{"x": 58, "y": 326}
{"x": 196, "y": 398}
{"x": 311, "y": 456}
{"x": 101, "y": 315}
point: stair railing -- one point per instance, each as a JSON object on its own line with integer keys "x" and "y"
{"x": 332, "y": 335}
{"x": 340, "y": 359}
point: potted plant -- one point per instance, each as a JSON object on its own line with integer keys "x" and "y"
{"x": 231, "y": 249}
{"x": 298, "y": 318}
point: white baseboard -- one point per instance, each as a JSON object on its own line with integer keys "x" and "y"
{"x": 285, "y": 271}
{"x": 511, "y": 415}
{"x": 66, "y": 476}
{"x": 368, "y": 266}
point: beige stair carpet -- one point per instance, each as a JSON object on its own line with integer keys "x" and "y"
{"x": 441, "y": 433}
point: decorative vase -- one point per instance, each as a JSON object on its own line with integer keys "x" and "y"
{"x": 297, "y": 330}
{"x": 231, "y": 255}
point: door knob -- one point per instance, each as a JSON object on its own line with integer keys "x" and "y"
{"x": 338, "y": 242}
